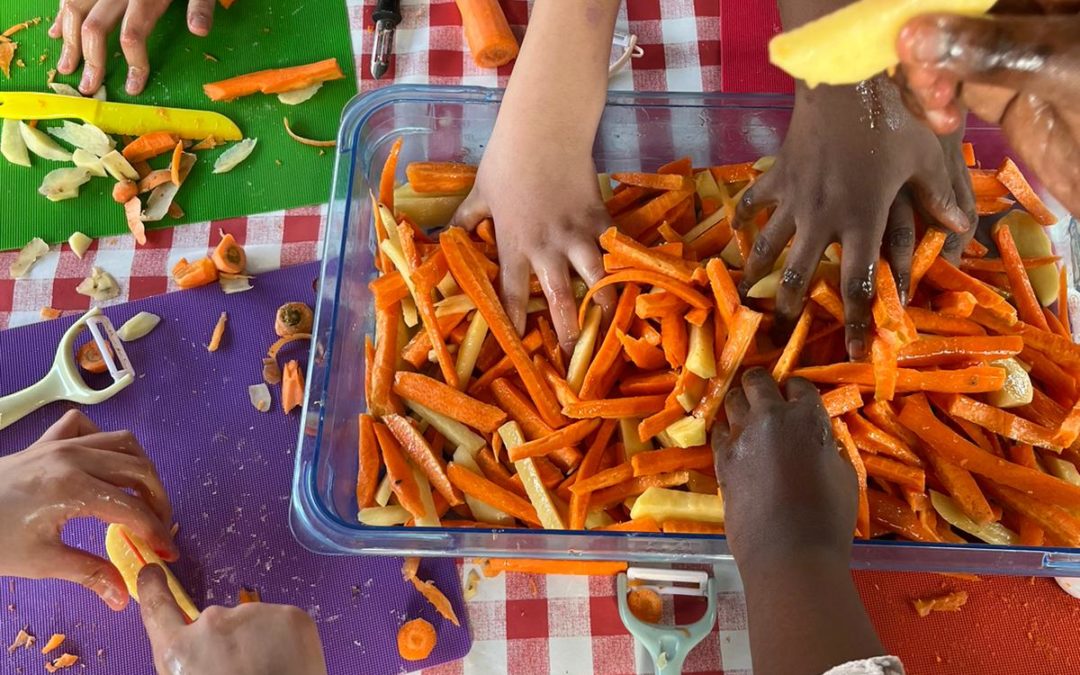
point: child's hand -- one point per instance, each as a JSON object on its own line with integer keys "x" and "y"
{"x": 76, "y": 471}
{"x": 252, "y": 639}
{"x": 783, "y": 497}
{"x": 545, "y": 201}
{"x": 1022, "y": 73}
{"x": 85, "y": 26}
{"x": 855, "y": 167}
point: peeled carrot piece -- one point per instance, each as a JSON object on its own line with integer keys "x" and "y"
{"x": 926, "y": 253}
{"x": 977, "y": 379}
{"x": 944, "y": 351}
{"x": 1023, "y": 294}
{"x": 387, "y": 177}
{"x": 610, "y": 348}
{"x": 849, "y": 450}
{"x": 842, "y": 400}
{"x": 488, "y": 33}
{"x": 986, "y": 185}
{"x": 219, "y": 333}
{"x": 133, "y": 214}
{"x": 683, "y": 291}
{"x": 896, "y": 516}
{"x": 149, "y": 146}
{"x": 1011, "y": 177}
{"x": 488, "y": 492}
{"x": 671, "y": 459}
{"x": 615, "y": 408}
{"x": 793, "y": 350}
{"x": 744, "y": 327}
{"x": 969, "y": 154}
{"x": 274, "y": 81}
{"x": 440, "y": 177}
{"x": 292, "y": 386}
{"x": 493, "y": 567}
{"x": 447, "y": 400}
{"x": 734, "y": 173}
{"x": 402, "y": 480}
{"x": 416, "y": 640}
{"x": 367, "y": 480}
{"x": 653, "y": 181}
{"x": 229, "y": 257}
{"x": 421, "y": 453}
{"x": 192, "y": 275}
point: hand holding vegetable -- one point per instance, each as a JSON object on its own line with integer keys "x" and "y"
{"x": 855, "y": 167}
{"x": 75, "y": 471}
{"x": 783, "y": 497}
{"x": 548, "y": 208}
{"x": 85, "y": 26}
{"x": 1021, "y": 72}
{"x": 252, "y": 639}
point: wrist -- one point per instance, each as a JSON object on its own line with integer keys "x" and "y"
{"x": 794, "y": 561}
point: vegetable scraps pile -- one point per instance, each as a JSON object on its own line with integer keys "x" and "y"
{"x": 962, "y": 427}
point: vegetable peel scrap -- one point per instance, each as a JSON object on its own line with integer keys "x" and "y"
{"x": 218, "y": 334}
{"x": 951, "y": 602}
{"x": 23, "y": 640}
{"x": 62, "y": 662}
{"x": 306, "y": 141}
{"x": 27, "y": 256}
{"x": 236, "y": 154}
{"x": 260, "y": 397}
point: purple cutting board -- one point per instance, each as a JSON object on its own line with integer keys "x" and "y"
{"x": 228, "y": 470}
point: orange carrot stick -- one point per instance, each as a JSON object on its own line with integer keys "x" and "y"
{"x": 441, "y": 177}
{"x": 683, "y": 526}
{"x": 870, "y": 438}
{"x": 793, "y": 350}
{"x": 610, "y": 348}
{"x": 579, "y": 504}
{"x": 615, "y": 408}
{"x": 387, "y": 178}
{"x": 558, "y": 384}
{"x": 149, "y": 146}
{"x": 648, "y": 383}
{"x": 642, "y": 354}
{"x": 616, "y": 494}
{"x": 671, "y": 413}
{"x": 969, "y": 154}
{"x": 402, "y": 481}
{"x": 998, "y": 421}
{"x": 896, "y": 516}
{"x": 419, "y": 346}
{"x": 383, "y": 400}
{"x": 520, "y": 409}
{"x": 624, "y": 198}
{"x": 677, "y": 288}
{"x": 1053, "y": 519}
{"x": 488, "y": 492}
{"x": 367, "y": 475}
{"x": 674, "y": 339}
{"x": 274, "y": 81}
{"x": 1010, "y": 176}
{"x": 672, "y": 459}
{"x": 1023, "y": 294}
{"x": 1063, "y": 299}
{"x": 842, "y": 400}
{"x": 986, "y": 185}
{"x": 636, "y": 525}
{"x": 724, "y": 291}
{"x": 827, "y": 298}
{"x": 645, "y": 258}
{"x": 504, "y": 366}
{"x": 417, "y": 448}
{"x": 493, "y": 567}
{"x": 963, "y": 381}
{"x": 851, "y": 452}
{"x": 955, "y": 303}
{"x": 927, "y": 321}
{"x": 998, "y": 265}
{"x": 926, "y": 253}
{"x": 734, "y": 173}
{"x": 460, "y": 257}
{"x": 744, "y": 327}
{"x": 568, "y": 436}
{"x": 218, "y": 334}
{"x": 637, "y": 222}
{"x": 487, "y": 33}
{"x": 948, "y": 278}
{"x": 653, "y": 181}
{"x": 447, "y": 400}
{"x": 389, "y": 289}
{"x": 895, "y": 472}
{"x": 937, "y": 437}
{"x": 944, "y": 351}
{"x": 604, "y": 479}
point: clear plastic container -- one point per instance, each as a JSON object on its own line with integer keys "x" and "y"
{"x": 639, "y": 131}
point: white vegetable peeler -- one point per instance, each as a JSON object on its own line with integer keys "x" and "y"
{"x": 668, "y": 645}
{"x": 63, "y": 382}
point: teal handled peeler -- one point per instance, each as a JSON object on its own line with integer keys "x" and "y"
{"x": 668, "y": 645}
{"x": 63, "y": 381}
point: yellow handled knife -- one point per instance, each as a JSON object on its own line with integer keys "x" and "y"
{"x": 118, "y": 118}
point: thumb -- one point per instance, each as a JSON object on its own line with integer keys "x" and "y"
{"x": 91, "y": 572}
{"x": 1032, "y": 53}
{"x": 160, "y": 613}
{"x": 470, "y": 212}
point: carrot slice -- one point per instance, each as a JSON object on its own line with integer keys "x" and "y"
{"x": 1011, "y": 177}
{"x": 645, "y": 604}
{"x": 488, "y": 492}
{"x": 421, "y": 453}
{"x": 842, "y": 400}
{"x": 274, "y": 81}
{"x": 460, "y": 257}
{"x": 367, "y": 476}
{"x": 416, "y": 640}
{"x": 219, "y": 333}
{"x": 487, "y": 32}
{"x": 448, "y": 400}
{"x": 1023, "y": 294}
{"x": 229, "y": 257}
{"x": 441, "y": 177}
{"x": 968, "y": 151}
{"x": 292, "y": 387}
{"x": 150, "y": 145}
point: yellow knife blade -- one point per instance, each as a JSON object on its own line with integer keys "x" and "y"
{"x": 118, "y": 118}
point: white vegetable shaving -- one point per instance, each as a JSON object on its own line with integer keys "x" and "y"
{"x": 260, "y": 397}
{"x": 298, "y": 96}
{"x": 27, "y": 257}
{"x": 12, "y": 145}
{"x": 99, "y": 286}
{"x": 161, "y": 197}
{"x": 84, "y": 136}
{"x": 232, "y": 157}
{"x": 41, "y": 145}
{"x": 79, "y": 244}
{"x": 64, "y": 89}
{"x": 234, "y": 283}
{"x": 138, "y": 326}
{"x": 61, "y": 184}
{"x": 118, "y": 166}
{"x": 89, "y": 161}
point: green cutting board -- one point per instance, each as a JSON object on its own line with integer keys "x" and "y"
{"x": 252, "y": 35}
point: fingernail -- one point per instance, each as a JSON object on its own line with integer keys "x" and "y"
{"x": 930, "y": 45}
{"x": 89, "y": 75}
{"x": 134, "y": 82}
{"x": 199, "y": 22}
{"x": 65, "y": 65}
{"x": 113, "y": 598}
{"x": 856, "y": 349}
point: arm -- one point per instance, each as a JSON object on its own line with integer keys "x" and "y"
{"x": 790, "y": 515}
{"x": 537, "y": 180}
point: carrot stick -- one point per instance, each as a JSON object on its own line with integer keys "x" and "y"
{"x": 417, "y": 349}
{"x": 387, "y": 178}
{"x": 895, "y": 472}
{"x": 149, "y": 146}
{"x": 1010, "y": 176}
{"x": 969, "y": 154}
{"x": 383, "y": 401}
{"x": 367, "y": 475}
{"x": 999, "y": 421}
{"x": 636, "y": 525}
{"x": 563, "y": 392}
{"x": 927, "y": 321}
{"x": 734, "y": 173}
{"x": 824, "y": 295}
{"x": 674, "y": 340}
{"x": 493, "y": 567}
{"x": 402, "y": 481}
{"x": 579, "y": 504}
{"x": 657, "y": 305}
{"x": 1063, "y": 300}
{"x": 229, "y": 257}
{"x": 274, "y": 81}
{"x": 505, "y": 365}
{"x": 615, "y": 408}
{"x": 842, "y": 400}
{"x": 447, "y": 400}
{"x": 955, "y": 303}
{"x": 551, "y": 344}
{"x": 744, "y": 327}
{"x": 937, "y": 437}
{"x": 1059, "y": 349}
{"x": 671, "y": 459}
{"x": 420, "y": 451}
{"x": 494, "y": 471}
{"x": 484, "y": 490}
{"x": 1053, "y": 519}
{"x": 1054, "y": 323}
{"x": 897, "y": 517}
{"x": 851, "y": 452}
{"x": 604, "y": 479}
{"x": 793, "y": 350}
{"x": 888, "y": 310}
{"x": 448, "y": 178}
{"x": 882, "y": 415}
{"x": 683, "y": 291}
{"x": 724, "y": 291}
{"x": 1023, "y": 294}
{"x": 460, "y": 256}
{"x": 653, "y": 181}
{"x": 671, "y": 413}
{"x": 645, "y": 258}
{"x": 610, "y": 348}
{"x": 963, "y": 381}
{"x": 520, "y": 409}
{"x": 487, "y": 32}
{"x": 948, "y": 278}
{"x": 926, "y": 253}
{"x": 625, "y": 198}
{"x": 870, "y": 438}
{"x": 616, "y": 494}
{"x": 998, "y": 265}
{"x": 637, "y": 222}
{"x": 218, "y": 334}
{"x": 642, "y": 354}
{"x": 568, "y": 436}
{"x": 986, "y": 185}
{"x": 944, "y": 351}
{"x": 648, "y": 383}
